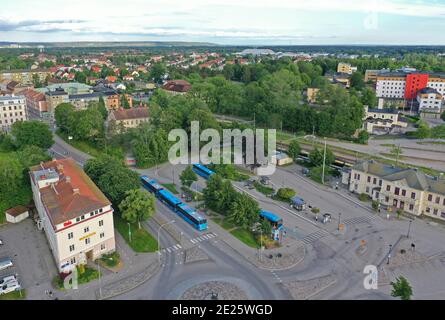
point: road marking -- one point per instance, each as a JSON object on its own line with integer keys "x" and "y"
{"x": 168, "y": 249}
{"x": 312, "y": 237}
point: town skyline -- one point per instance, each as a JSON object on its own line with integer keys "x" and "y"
{"x": 228, "y": 22}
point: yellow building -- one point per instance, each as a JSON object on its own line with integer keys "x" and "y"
{"x": 312, "y": 94}
{"x": 346, "y": 68}
{"x": 25, "y": 77}
{"x": 128, "y": 118}
{"x": 398, "y": 188}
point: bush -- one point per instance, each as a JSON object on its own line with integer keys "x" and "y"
{"x": 111, "y": 259}
{"x": 363, "y": 197}
{"x": 285, "y": 194}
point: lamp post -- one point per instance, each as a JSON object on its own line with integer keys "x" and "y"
{"x": 389, "y": 253}
{"x": 129, "y": 231}
{"x": 339, "y": 220}
{"x": 409, "y": 228}
{"x": 159, "y": 229}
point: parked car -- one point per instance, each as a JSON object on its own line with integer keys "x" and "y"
{"x": 7, "y": 279}
{"x": 265, "y": 180}
{"x": 327, "y": 217}
{"x": 9, "y": 287}
{"x": 1, "y": 242}
{"x": 305, "y": 171}
{"x": 5, "y": 263}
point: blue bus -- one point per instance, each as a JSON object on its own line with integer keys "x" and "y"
{"x": 273, "y": 219}
{"x": 202, "y": 170}
{"x": 151, "y": 184}
{"x": 191, "y": 216}
{"x": 169, "y": 199}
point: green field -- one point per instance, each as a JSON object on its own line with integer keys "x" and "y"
{"x": 263, "y": 189}
{"x": 14, "y": 295}
{"x": 141, "y": 240}
{"x": 245, "y": 236}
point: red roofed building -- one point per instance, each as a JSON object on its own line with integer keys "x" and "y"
{"x": 35, "y": 102}
{"x": 111, "y": 79}
{"x": 177, "y": 86}
{"x": 76, "y": 216}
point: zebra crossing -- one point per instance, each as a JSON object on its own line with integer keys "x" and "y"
{"x": 358, "y": 220}
{"x": 312, "y": 237}
{"x": 204, "y": 237}
{"x": 171, "y": 249}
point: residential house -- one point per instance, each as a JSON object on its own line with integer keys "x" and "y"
{"x": 177, "y": 86}
{"x": 128, "y": 118}
{"x": 12, "y": 109}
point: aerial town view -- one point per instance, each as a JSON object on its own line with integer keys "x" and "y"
{"x": 222, "y": 150}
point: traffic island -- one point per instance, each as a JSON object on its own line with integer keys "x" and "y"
{"x": 214, "y": 290}
{"x": 195, "y": 254}
{"x": 305, "y": 289}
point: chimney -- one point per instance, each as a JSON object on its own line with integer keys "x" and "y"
{"x": 76, "y": 191}
{"x": 60, "y": 168}
{"x": 68, "y": 179}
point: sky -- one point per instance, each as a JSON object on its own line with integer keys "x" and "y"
{"x": 231, "y": 22}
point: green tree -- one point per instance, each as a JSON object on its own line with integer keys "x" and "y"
{"x": 423, "y": 130}
{"x": 124, "y": 102}
{"x": 363, "y": 137}
{"x": 285, "y": 193}
{"x": 316, "y": 157}
{"x": 137, "y": 206}
{"x": 438, "y": 132}
{"x": 188, "y": 176}
{"x": 219, "y": 194}
{"x": 30, "y": 156}
{"x": 396, "y": 151}
{"x": 11, "y": 175}
{"x": 357, "y": 81}
{"x": 62, "y": 114}
{"x": 243, "y": 211}
{"x": 294, "y": 149}
{"x": 32, "y": 133}
{"x": 401, "y": 288}
{"x": 157, "y": 72}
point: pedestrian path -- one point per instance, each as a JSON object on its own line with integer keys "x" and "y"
{"x": 358, "y": 220}
{"x": 204, "y": 237}
{"x": 312, "y": 237}
{"x": 171, "y": 249}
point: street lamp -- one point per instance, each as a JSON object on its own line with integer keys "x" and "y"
{"x": 159, "y": 229}
{"x": 409, "y": 228}
{"x": 389, "y": 253}
{"x": 339, "y": 220}
{"x": 129, "y": 231}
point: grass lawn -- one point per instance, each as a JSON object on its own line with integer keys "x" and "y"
{"x": 14, "y": 295}
{"x": 263, "y": 189}
{"x": 141, "y": 240}
{"x": 170, "y": 187}
{"x": 111, "y": 260}
{"x": 245, "y": 236}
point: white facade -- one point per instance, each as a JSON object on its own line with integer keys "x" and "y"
{"x": 431, "y": 101}
{"x": 12, "y": 109}
{"x": 386, "y": 88}
{"x": 86, "y": 236}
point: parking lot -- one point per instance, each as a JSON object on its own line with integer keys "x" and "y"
{"x": 29, "y": 251}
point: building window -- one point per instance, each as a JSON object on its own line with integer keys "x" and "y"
{"x": 380, "y": 182}
{"x": 430, "y": 197}
{"x": 386, "y": 199}
{"x": 102, "y": 235}
{"x": 435, "y": 212}
{"x": 73, "y": 260}
{"x": 411, "y": 207}
{"x": 101, "y": 223}
{"x": 388, "y": 188}
{"x": 86, "y": 229}
{"x": 369, "y": 179}
{"x": 87, "y": 241}
{"x": 102, "y": 247}
{"x": 397, "y": 191}
{"x": 70, "y": 235}
{"x": 428, "y": 209}
{"x": 437, "y": 200}
{"x": 403, "y": 192}
{"x": 413, "y": 195}
{"x": 72, "y": 248}
{"x": 374, "y": 181}
{"x": 100, "y": 210}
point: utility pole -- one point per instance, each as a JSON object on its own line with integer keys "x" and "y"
{"x": 409, "y": 228}
{"x": 389, "y": 253}
{"x": 129, "y": 231}
{"x": 339, "y": 220}
{"x": 324, "y": 161}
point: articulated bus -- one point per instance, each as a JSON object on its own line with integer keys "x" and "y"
{"x": 191, "y": 216}
{"x": 202, "y": 170}
{"x": 273, "y": 219}
{"x": 183, "y": 210}
{"x": 151, "y": 184}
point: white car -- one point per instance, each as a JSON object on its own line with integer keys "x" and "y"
{"x": 1, "y": 242}
{"x": 8, "y": 279}
{"x": 9, "y": 287}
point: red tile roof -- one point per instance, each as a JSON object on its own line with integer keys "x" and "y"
{"x": 133, "y": 113}
{"x": 70, "y": 197}
{"x": 177, "y": 86}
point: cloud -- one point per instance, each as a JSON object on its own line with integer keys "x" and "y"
{"x": 37, "y": 25}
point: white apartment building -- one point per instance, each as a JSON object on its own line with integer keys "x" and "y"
{"x": 12, "y": 109}
{"x": 76, "y": 216}
{"x": 390, "y": 86}
{"x": 430, "y": 100}
{"x": 399, "y": 188}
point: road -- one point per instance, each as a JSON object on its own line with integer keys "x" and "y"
{"x": 328, "y": 251}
